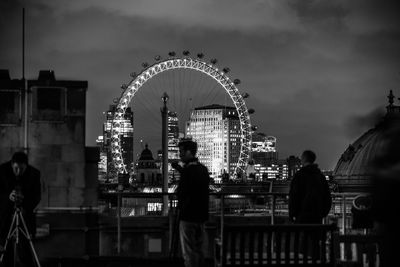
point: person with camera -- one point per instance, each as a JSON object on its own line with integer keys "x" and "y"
{"x": 20, "y": 190}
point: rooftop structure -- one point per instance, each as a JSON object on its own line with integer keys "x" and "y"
{"x": 354, "y": 168}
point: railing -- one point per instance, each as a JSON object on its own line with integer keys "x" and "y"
{"x": 222, "y": 204}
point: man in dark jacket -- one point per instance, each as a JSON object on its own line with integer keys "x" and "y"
{"x": 192, "y": 204}
{"x": 19, "y": 187}
{"x": 309, "y": 195}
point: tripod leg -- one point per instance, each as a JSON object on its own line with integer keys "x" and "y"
{"x": 9, "y": 235}
{"x": 28, "y": 237}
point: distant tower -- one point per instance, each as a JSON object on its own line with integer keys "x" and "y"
{"x": 102, "y": 165}
{"x": 126, "y": 138}
{"x": 173, "y": 136}
{"x": 146, "y": 169}
{"x": 216, "y": 129}
{"x": 265, "y": 157}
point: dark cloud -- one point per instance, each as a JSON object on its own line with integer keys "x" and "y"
{"x": 358, "y": 124}
{"x": 309, "y": 66}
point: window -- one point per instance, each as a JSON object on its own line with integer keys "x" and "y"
{"x": 10, "y": 107}
{"x": 76, "y": 101}
{"x": 48, "y": 103}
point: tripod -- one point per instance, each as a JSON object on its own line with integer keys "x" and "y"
{"x": 18, "y": 227}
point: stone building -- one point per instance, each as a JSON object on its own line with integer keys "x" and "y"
{"x": 146, "y": 169}
{"x": 55, "y": 136}
{"x": 355, "y": 166}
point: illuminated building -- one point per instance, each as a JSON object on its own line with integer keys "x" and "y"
{"x": 147, "y": 171}
{"x": 102, "y": 165}
{"x": 265, "y": 158}
{"x": 262, "y": 143}
{"x": 173, "y": 136}
{"x": 216, "y": 129}
{"x": 126, "y": 138}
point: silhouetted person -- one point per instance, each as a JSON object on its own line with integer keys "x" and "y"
{"x": 19, "y": 186}
{"x": 386, "y": 197}
{"x": 309, "y": 195}
{"x": 192, "y": 204}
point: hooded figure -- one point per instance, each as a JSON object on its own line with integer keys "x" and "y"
{"x": 309, "y": 195}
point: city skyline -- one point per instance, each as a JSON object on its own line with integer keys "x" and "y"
{"x": 318, "y": 73}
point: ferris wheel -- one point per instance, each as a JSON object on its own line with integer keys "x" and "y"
{"x": 176, "y": 63}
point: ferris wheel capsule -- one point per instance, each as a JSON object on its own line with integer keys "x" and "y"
{"x": 200, "y": 55}
{"x": 157, "y": 58}
{"x": 186, "y": 53}
{"x": 124, "y": 86}
{"x": 133, "y": 74}
{"x": 251, "y": 111}
{"x": 145, "y": 65}
{"x": 171, "y": 54}
{"x": 213, "y": 61}
{"x": 236, "y": 81}
{"x": 226, "y": 70}
{"x": 245, "y": 95}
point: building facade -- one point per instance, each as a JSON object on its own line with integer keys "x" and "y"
{"x": 173, "y": 136}
{"x": 216, "y": 129}
{"x": 147, "y": 171}
{"x": 265, "y": 160}
{"x": 55, "y": 136}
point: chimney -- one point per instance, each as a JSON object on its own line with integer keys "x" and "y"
{"x": 46, "y": 75}
{"x": 4, "y": 75}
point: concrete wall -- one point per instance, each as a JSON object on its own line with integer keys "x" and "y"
{"x": 56, "y": 140}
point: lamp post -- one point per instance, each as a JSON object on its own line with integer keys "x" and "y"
{"x": 164, "y": 115}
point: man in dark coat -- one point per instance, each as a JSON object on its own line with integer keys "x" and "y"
{"x": 192, "y": 204}
{"x": 19, "y": 187}
{"x": 309, "y": 195}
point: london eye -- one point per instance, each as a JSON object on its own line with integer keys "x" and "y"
{"x": 189, "y": 81}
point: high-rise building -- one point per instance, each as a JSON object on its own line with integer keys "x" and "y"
{"x": 216, "y": 129}
{"x": 126, "y": 139}
{"x": 264, "y": 156}
{"x": 102, "y": 165}
{"x": 173, "y": 136}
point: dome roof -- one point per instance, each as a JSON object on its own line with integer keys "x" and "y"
{"x": 146, "y": 154}
{"x": 354, "y": 167}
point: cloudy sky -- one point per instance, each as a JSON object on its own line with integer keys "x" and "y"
{"x": 317, "y": 72}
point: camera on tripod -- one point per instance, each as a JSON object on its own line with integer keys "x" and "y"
{"x": 18, "y": 196}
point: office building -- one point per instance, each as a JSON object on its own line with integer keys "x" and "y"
{"x": 216, "y": 129}
{"x": 173, "y": 136}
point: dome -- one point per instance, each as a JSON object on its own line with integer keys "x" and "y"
{"x": 354, "y": 168}
{"x": 146, "y": 154}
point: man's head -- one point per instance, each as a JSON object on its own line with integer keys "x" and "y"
{"x": 19, "y": 162}
{"x": 187, "y": 150}
{"x": 308, "y": 157}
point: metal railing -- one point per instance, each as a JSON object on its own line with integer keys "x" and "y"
{"x": 222, "y": 205}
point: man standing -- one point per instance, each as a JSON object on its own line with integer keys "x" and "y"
{"x": 19, "y": 187}
{"x": 309, "y": 195}
{"x": 192, "y": 204}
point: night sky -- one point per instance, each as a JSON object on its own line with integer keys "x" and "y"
{"x": 318, "y": 72}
